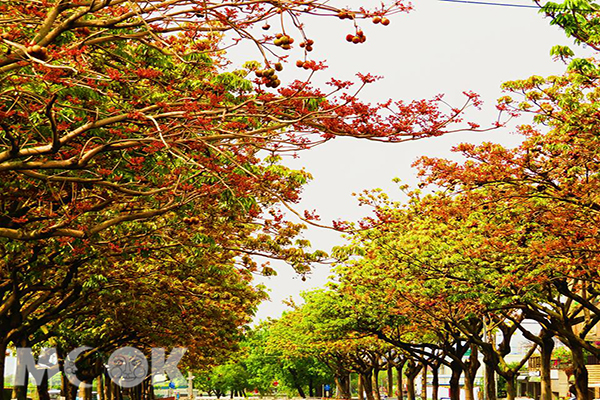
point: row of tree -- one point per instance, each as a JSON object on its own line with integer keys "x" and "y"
{"x": 139, "y": 181}
{"x": 141, "y": 174}
{"x": 505, "y": 237}
{"x": 260, "y": 367}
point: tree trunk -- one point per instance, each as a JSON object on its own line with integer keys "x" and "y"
{"x": 410, "y": 388}
{"x": 86, "y": 389}
{"x": 348, "y": 386}
{"x": 300, "y": 391}
{"x": 580, "y": 372}
{"x": 546, "y": 347}
{"x": 490, "y": 382}
{"x": 469, "y": 389}
{"x": 424, "y": 382}
{"x": 472, "y": 365}
{"x": 376, "y": 384}
{"x": 42, "y": 388}
{"x": 412, "y": 371}
{"x": 150, "y": 389}
{"x": 368, "y": 386}
{"x": 69, "y": 391}
{"x": 20, "y": 391}
{"x": 108, "y": 387}
{"x": 2, "y": 367}
{"x": 399, "y": 380}
{"x": 297, "y": 384}
{"x": 390, "y": 380}
{"x": 511, "y": 389}
{"x": 455, "y": 380}
{"x": 342, "y": 382}
{"x": 435, "y": 382}
{"x": 100, "y": 386}
{"x": 361, "y": 388}
{"x": 151, "y": 394}
{"x": 311, "y": 389}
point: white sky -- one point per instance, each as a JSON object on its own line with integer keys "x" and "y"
{"x": 439, "y": 47}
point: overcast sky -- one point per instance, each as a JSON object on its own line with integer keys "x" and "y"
{"x": 440, "y": 47}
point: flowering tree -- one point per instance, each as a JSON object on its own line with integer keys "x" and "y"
{"x": 123, "y": 138}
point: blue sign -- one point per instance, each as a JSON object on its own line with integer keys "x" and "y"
{"x": 172, "y": 385}
{"x": 327, "y": 387}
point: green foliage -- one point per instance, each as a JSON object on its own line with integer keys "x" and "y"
{"x": 255, "y": 367}
{"x": 562, "y": 354}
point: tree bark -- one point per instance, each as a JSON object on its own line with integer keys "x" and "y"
{"x": 424, "y": 382}
{"x": 367, "y": 384}
{"x": 435, "y": 382}
{"x": 490, "y": 382}
{"x": 511, "y": 389}
{"x": 300, "y": 391}
{"x": 68, "y": 390}
{"x": 412, "y": 370}
{"x": 469, "y": 390}
{"x": 472, "y": 365}
{"x": 361, "y": 388}
{"x": 117, "y": 391}
{"x": 107, "y": 386}
{"x": 342, "y": 382}
{"x": 149, "y": 389}
{"x": 457, "y": 370}
{"x": 20, "y": 391}
{"x": 42, "y": 388}
{"x": 297, "y": 384}
{"x": 399, "y": 380}
{"x": 546, "y": 347}
{"x": 100, "y": 386}
{"x": 376, "y": 384}
{"x": 580, "y": 372}
{"x": 410, "y": 388}
{"x": 86, "y": 389}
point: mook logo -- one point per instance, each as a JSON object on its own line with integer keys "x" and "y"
{"x": 126, "y": 366}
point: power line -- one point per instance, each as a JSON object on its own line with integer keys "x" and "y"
{"x": 485, "y": 3}
{"x": 490, "y": 4}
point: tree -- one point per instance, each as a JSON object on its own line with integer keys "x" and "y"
{"x": 325, "y": 328}
{"x": 123, "y": 138}
{"x": 433, "y": 265}
{"x": 261, "y": 366}
{"x": 300, "y": 373}
{"x": 550, "y": 180}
